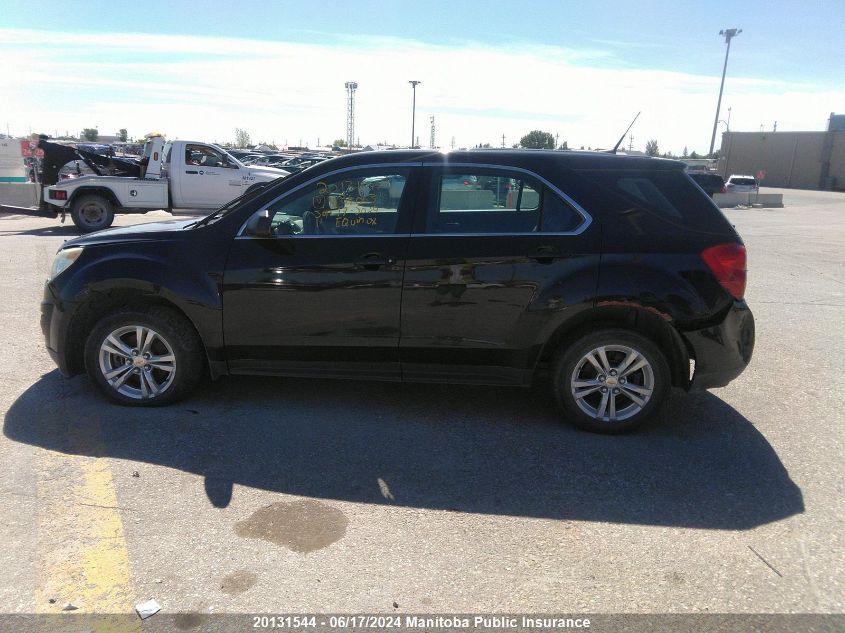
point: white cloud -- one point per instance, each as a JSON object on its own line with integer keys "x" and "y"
{"x": 204, "y": 87}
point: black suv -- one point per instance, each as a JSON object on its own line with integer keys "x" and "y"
{"x": 615, "y": 276}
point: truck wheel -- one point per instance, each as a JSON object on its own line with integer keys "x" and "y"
{"x": 92, "y": 212}
{"x": 610, "y": 381}
{"x": 147, "y": 356}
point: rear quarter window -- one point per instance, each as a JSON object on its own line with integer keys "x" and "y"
{"x": 655, "y": 200}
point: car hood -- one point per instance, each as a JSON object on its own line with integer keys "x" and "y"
{"x": 135, "y": 233}
{"x": 272, "y": 172}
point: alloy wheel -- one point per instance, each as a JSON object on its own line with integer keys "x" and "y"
{"x": 137, "y": 362}
{"x": 612, "y": 383}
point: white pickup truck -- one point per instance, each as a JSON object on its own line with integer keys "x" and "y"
{"x": 173, "y": 175}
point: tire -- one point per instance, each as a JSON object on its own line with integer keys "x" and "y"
{"x": 629, "y": 398}
{"x": 92, "y": 212}
{"x": 175, "y": 345}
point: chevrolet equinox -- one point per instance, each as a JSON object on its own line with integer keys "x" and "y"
{"x": 616, "y": 277}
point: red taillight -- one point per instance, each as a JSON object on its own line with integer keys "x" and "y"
{"x": 466, "y": 183}
{"x": 58, "y": 194}
{"x": 728, "y": 263}
{"x": 724, "y": 189}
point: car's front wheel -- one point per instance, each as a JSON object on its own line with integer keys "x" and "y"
{"x": 610, "y": 380}
{"x": 144, "y": 356}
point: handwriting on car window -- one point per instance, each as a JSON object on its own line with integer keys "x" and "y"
{"x": 350, "y": 203}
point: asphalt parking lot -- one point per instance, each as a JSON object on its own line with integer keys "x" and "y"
{"x": 281, "y": 495}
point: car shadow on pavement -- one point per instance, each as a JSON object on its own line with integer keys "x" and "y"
{"x": 699, "y": 464}
{"x": 60, "y": 230}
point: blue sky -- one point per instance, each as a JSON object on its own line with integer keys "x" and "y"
{"x": 600, "y": 61}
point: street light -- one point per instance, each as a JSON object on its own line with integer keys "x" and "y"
{"x": 413, "y": 83}
{"x": 728, "y": 34}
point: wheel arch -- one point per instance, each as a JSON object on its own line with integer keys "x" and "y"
{"x": 635, "y": 318}
{"x": 104, "y": 192}
{"x": 99, "y": 304}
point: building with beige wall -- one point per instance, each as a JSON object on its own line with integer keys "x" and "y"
{"x": 800, "y": 160}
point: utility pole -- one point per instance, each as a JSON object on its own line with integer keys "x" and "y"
{"x": 414, "y": 83}
{"x": 503, "y": 141}
{"x": 453, "y": 142}
{"x": 728, "y": 34}
{"x": 631, "y": 143}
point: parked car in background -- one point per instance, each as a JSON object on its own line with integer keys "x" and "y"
{"x": 249, "y": 159}
{"x": 298, "y": 163}
{"x": 612, "y": 278}
{"x": 269, "y": 160}
{"x": 461, "y": 181}
{"x": 741, "y": 184}
{"x": 711, "y": 183}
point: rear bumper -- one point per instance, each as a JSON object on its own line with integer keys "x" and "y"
{"x": 722, "y": 352}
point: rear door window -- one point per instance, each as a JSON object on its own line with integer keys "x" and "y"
{"x": 492, "y": 201}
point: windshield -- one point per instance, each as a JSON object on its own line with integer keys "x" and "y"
{"x": 232, "y": 160}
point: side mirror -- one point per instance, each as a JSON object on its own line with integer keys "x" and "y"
{"x": 259, "y": 225}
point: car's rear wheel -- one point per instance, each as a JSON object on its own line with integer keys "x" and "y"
{"x": 92, "y": 212}
{"x": 610, "y": 381}
{"x": 144, "y": 357}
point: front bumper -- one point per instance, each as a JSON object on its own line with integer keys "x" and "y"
{"x": 54, "y": 321}
{"x": 722, "y": 352}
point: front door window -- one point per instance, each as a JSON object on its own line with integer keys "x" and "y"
{"x": 355, "y": 203}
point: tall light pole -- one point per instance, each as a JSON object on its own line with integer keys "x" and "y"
{"x": 351, "y": 87}
{"x": 414, "y": 84}
{"x": 728, "y": 34}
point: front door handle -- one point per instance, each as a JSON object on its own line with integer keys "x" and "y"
{"x": 373, "y": 261}
{"x": 545, "y": 254}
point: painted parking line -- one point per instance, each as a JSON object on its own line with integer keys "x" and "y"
{"x": 83, "y": 558}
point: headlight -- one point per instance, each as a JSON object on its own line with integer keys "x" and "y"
{"x": 64, "y": 259}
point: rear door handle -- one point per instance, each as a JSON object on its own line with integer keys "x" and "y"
{"x": 545, "y": 254}
{"x": 373, "y": 261}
